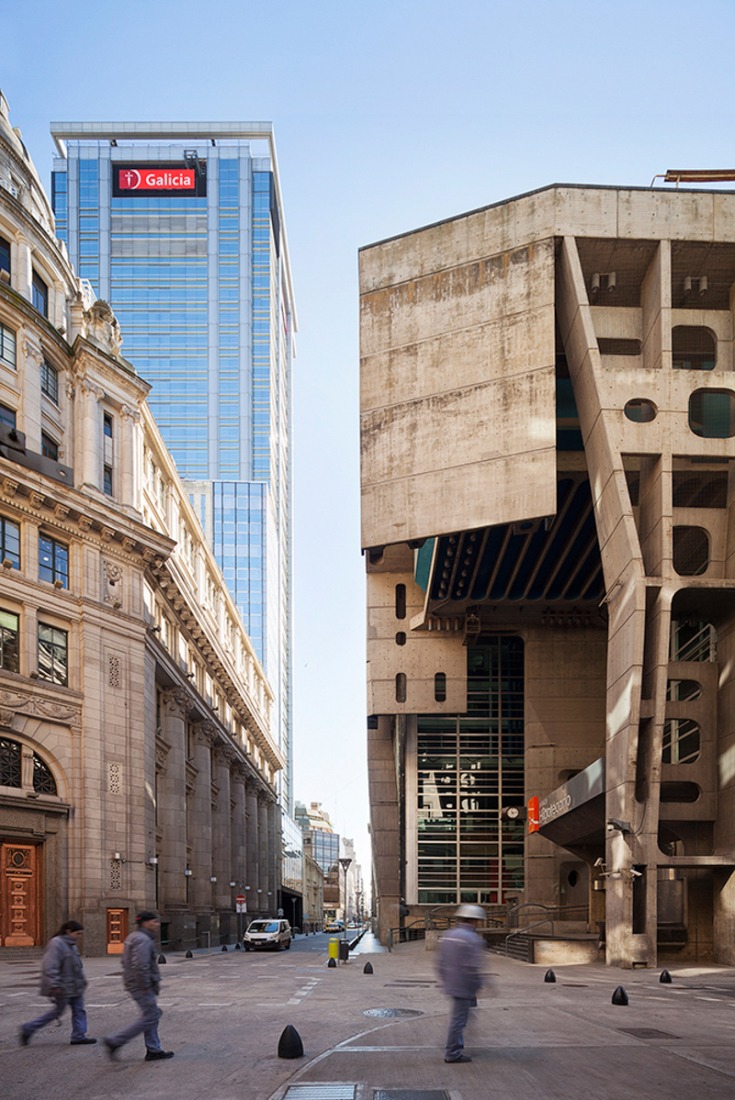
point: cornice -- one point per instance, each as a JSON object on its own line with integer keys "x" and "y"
{"x": 78, "y": 516}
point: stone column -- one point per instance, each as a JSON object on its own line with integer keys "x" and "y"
{"x": 22, "y": 265}
{"x": 200, "y": 888}
{"x": 172, "y": 804}
{"x": 238, "y": 828}
{"x": 221, "y": 829}
{"x": 128, "y": 456}
{"x": 268, "y": 903}
{"x": 252, "y": 846}
{"x": 275, "y": 848}
{"x": 88, "y": 443}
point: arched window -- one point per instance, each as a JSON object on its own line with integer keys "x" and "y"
{"x": 11, "y": 768}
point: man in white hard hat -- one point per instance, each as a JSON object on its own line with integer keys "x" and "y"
{"x": 460, "y": 957}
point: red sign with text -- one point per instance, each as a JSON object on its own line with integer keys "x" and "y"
{"x": 156, "y": 179}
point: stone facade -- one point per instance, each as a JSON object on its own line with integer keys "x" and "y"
{"x": 137, "y": 768}
{"x": 547, "y": 417}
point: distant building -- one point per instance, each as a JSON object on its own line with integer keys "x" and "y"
{"x": 548, "y": 461}
{"x": 322, "y": 845}
{"x": 137, "y": 765}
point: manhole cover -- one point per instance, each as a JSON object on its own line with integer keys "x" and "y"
{"x": 392, "y": 1012}
{"x": 410, "y": 1094}
{"x": 647, "y": 1033}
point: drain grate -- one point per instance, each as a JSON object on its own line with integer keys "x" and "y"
{"x": 383, "y": 1012}
{"x": 647, "y": 1033}
{"x": 410, "y": 1094}
{"x": 320, "y": 1092}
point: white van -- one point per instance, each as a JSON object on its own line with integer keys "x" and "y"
{"x": 274, "y": 933}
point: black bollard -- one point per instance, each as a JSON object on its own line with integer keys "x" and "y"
{"x": 665, "y": 977}
{"x": 549, "y": 976}
{"x": 224, "y": 946}
{"x": 188, "y": 955}
{"x": 161, "y": 958}
{"x": 238, "y": 946}
{"x": 620, "y": 997}
{"x": 290, "y": 1045}
{"x": 367, "y": 968}
{"x": 332, "y": 964}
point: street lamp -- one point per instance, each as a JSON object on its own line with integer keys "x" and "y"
{"x": 345, "y": 862}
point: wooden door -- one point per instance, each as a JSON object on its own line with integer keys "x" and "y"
{"x": 117, "y": 930}
{"x": 19, "y": 889}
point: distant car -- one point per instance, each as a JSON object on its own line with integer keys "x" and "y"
{"x": 334, "y": 926}
{"x": 273, "y": 934}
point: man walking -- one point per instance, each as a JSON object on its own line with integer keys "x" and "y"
{"x": 460, "y": 973}
{"x": 142, "y": 979}
{"x": 62, "y": 979}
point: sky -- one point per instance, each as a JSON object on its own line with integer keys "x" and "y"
{"x": 388, "y": 116}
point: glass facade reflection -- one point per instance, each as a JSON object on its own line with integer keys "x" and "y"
{"x": 181, "y": 231}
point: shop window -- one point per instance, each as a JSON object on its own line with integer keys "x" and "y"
{"x": 7, "y": 346}
{"x": 693, "y": 348}
{"x": 9, "y": 641}
{"x": 640, "y": 411}
{"x": 53, "y": 561}
{"x": 691, "y": 551}
{"x": 53, "y": 654}
{"x": 9, "y": 542}
{"x": 681, "y": 743}
{"x": 39, "y": 294}
{"x": 712, "y": 414}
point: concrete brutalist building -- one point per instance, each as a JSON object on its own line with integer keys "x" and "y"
{"x": 548, "y": 524}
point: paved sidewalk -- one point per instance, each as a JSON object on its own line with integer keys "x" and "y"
{"x": 380, "y": 1036}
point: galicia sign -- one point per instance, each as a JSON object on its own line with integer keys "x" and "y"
{"x": 146, "y": 179}
{"x": 156, "y": 179}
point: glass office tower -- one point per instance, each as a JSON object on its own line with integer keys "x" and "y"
{"x": 180, "y": 228}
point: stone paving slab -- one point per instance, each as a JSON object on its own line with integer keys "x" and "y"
{"x": 224, "y": 1013}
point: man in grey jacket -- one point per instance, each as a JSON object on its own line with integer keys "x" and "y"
{"x": 459, "y": 964}
{"x": 62, "y": 979}
{"x": 142, "y": 979}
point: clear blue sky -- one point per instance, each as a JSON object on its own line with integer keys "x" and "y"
{"x": 388, "y": 116}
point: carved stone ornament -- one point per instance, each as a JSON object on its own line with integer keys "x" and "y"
{"x": 10, "y": 487}
{"x": 61, "y": 511}
{"x": 102, "y": 327}
{"x": 177, "y": 702}
{"x": 130, "y": 413}
{"x": 42, "y": 708}
{"x": 90, "y": 388}
{"x": 32, "y": 352}
{"x": 6, "y": 716}
{"x": 36, "y": 499}
{"x": 84, "y": 522}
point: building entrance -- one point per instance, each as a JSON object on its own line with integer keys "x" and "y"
{"x": 19, "y": 895}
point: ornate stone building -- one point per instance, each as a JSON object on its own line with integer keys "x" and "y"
{"x": 136, "y": 762}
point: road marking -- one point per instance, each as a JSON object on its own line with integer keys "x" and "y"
{"x": 215, "y": 1004}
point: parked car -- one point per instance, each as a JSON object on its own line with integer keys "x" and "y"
{"x": 334, "y": 926}
{"x": 273, "y": 934}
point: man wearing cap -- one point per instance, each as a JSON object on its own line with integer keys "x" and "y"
{"x": 460, "y": 973}
{"x": 142, "y": 979}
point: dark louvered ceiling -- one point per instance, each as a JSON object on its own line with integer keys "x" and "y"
{"x": 536, "y": 562}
